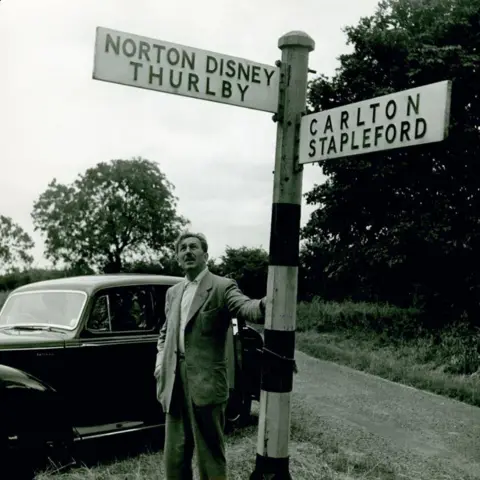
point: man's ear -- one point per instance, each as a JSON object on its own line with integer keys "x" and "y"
{"x": 206, "y": 256}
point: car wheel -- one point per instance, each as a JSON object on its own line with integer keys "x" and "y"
{"x": 14, "y": 463}
{"x": 32, "y": 455}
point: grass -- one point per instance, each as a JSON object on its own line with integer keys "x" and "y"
{"x": 447, "y": 363}
{"x": 313, "y": 455}
{"x": 399, "y": 364}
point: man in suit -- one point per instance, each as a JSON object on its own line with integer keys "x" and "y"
{"x": 191, "y": 365}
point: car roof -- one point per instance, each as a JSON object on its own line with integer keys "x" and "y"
{"x": 91, "y": 283}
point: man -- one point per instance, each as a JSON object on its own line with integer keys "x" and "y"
{"x": 191, "y": 367}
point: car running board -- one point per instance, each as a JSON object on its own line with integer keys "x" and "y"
{"x": 109, "y": 429}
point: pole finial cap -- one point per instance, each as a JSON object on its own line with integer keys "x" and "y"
{"x": 296, "y": 38}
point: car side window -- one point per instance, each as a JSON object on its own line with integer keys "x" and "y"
{"x": 123, "y": 309}
{"x": 100, "y": 318}
{"x": 131, "y": 309}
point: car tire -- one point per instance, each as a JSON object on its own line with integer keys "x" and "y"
{"x": 15, "y": 464}
{"x": 31, "y": 456}
{"x": 12, "y": 464}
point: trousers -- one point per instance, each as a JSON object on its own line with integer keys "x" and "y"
{"x": 190, "y": 427}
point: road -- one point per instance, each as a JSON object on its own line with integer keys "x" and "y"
{"x": 422, "y": 435}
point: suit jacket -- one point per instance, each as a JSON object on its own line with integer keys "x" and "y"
{"x": 216, "y": 302}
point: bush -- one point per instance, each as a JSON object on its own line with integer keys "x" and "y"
{"x": 17, "y": 279}
{"x": 384, "y": 319}
{"x": 454, "y": 350}
{"x": 459, "y": 349}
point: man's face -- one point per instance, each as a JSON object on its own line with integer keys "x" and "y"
{"x": 191, "y": 256}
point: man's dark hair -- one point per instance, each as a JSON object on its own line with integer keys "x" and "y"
{"x": 200, "y": 236}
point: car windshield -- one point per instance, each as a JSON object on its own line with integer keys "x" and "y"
{"x": 43, "y": 308}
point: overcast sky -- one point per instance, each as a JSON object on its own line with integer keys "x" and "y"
{"x": 56, "y": 121}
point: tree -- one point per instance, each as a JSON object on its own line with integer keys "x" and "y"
{"x": 403, "y": 224}
{"x": 166, "y": 265}
{"x": 16, "y": 279}
{"x": 15, "y": 246}
{"x": 119, "y": 211}
{"x": 214, "y": 267}
{"x": 249, "y": 267}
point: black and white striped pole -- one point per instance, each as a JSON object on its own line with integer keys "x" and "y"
{"x": 272, "y": 461}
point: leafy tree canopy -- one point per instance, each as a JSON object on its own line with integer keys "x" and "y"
{"x": 123, "y": 210}
{"x": 404, "y": 224}
{"x": 167, "y": 265}
{"x": 248, "y": 266}
{"x": 15, "y": 246}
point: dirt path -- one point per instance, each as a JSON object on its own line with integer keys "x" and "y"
{"x": 421, "y": 435}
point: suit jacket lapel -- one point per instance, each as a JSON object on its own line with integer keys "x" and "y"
{"x": 201, "y": 295}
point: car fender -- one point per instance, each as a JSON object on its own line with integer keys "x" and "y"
{"x": 37, "y": 410}
{"x": 12, "y": 378}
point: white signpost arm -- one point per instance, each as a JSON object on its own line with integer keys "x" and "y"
{"x": 272, "y": 459}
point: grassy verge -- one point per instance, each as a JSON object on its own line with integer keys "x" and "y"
{"x": 313, "y": 455}
{"x": 447, "y": 363}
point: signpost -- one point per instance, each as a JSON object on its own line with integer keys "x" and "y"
{"x": 143, "y": 62}
{"x": 403, "y": 119}
{"x": 407, "y": 118}
{"x": 279, "y": 335}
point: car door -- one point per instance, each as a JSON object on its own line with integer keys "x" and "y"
{"x": 108, "y": 360}
{"x": 93, "y": 379}
{"x": 87, "y": 357}
{"x": 133, "y": 327}
{"x": 135, "y": 323}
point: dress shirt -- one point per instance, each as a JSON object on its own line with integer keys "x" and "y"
{"x": 189, "y": 291}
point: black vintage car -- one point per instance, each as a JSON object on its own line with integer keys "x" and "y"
{"x": 77, "y": 357}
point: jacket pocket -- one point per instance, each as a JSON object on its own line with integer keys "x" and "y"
{"x": 209, "y": 320}
{"x": 209, "y": 385}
